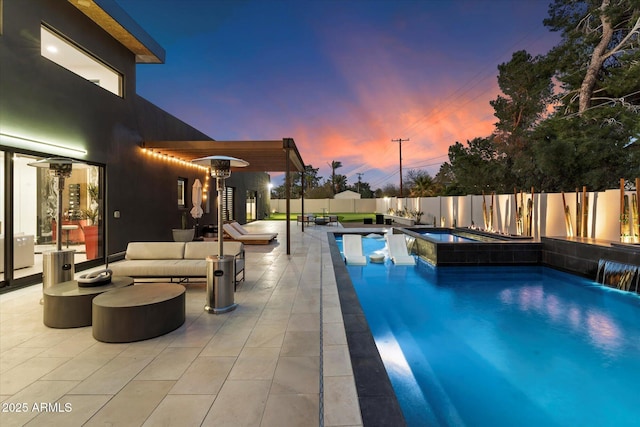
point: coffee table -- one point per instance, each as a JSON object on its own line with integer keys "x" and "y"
{"x": 138, "y": 312}
{"x": 66, "y": 305}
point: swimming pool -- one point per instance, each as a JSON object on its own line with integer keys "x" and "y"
{"x": 502, "y": 346}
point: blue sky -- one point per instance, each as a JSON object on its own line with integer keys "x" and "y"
{"x": 343, "y": 78}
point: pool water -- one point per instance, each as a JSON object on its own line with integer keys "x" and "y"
{"x": 447, "y": 237}
{"x": 503, "y": 346}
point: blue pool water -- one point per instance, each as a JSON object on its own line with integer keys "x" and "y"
{"x": 503, "y": 346}
{"x": 447, "y": 237}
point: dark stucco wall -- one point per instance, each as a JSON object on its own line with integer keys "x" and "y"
{"x": 41, "y": 100}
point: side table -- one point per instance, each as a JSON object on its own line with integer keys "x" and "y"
{"x": 66, "y": 305}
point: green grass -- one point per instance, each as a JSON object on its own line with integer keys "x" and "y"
{"x": 342, "y": 216}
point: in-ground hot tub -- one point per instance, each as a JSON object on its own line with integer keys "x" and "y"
{"x": 465, "y": 246}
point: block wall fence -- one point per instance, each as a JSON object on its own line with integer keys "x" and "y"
{"x": 548, "y": 213}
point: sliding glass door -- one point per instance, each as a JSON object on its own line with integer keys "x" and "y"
{"x": 34, "y": 214}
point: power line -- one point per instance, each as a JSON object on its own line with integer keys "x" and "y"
{"x": 473, "y": 82}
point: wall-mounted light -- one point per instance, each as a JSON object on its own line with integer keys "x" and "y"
{"x": 33, "y": 144}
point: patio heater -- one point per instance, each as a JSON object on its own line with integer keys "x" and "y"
{"x": 57, "y": 265}
{"x": 220, "y": 268}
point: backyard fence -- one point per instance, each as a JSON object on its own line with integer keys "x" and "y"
{"x": 599, "y": 215}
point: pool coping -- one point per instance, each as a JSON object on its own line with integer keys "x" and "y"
{"x": 378, "y": 402}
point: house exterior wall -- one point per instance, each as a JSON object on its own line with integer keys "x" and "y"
{"x": 43, "y": 101}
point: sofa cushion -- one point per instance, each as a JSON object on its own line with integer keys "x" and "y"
{"x": 200, "y": 250}
{"x": 155, "y": 250}
{"x": 160, "y": 268}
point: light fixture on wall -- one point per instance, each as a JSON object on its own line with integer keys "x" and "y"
{"x": 33, "y": 144}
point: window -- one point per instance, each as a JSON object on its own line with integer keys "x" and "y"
{"x": 252, "y": 197}
{"x": 227, "y": 204}
{"x": 59, "y": 50}
{"x": 182, "y": 185}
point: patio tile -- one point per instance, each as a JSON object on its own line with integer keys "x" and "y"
{"x": 78, "y": 368}
{"x": 257, "y": 365}
{"x": 31, "y": 397}
{"x": 113, "y": 376}
{"x": 132, "y": 405}
{"x": 301, "y": 410}
{"x": 340, "y": 402}
{"x": 337, "y": 361}
{"x": 334, "y": 334}
{"x": 226, "y": 343}
{"x": 21, "y": 376}
{"x": 170, "y": 364}
{"x": 301, "y": 343}
{"x": 239, "y": 403}
{"x": 300, "y": 374}
{"x": 270, "y": 335}
{"x": 204, "y": 376}
{"x": 180, "y": 410}
{"x": 82, "y": 408}
{"x": 304, "y": 322}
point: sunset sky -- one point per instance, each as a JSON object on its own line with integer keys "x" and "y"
{"x": 343, "y": 78}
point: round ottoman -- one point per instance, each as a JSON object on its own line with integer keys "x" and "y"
{"x": 138, "y": 312}
{"x": 67, "y": 305}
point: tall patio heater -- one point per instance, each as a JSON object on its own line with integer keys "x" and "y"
{"x": 57, "y": 266}
{"x": 220, "y": 268}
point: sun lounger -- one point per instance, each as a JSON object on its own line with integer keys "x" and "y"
{"x": 248, "y": 239}
{"x": 352, "y": 248}
{"x": 244, "y": 231}
{"x": 398, "y": 250}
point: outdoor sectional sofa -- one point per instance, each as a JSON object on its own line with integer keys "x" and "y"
{"x": 179, "y": 260}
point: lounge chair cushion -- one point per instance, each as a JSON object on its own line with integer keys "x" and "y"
{"x": 398, "y": 253}
{"x": 352, "y": 248}
{"x": 254, "y": 238}
{"x": 246, "y": 232}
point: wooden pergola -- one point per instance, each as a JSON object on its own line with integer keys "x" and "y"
{"x": 263, "y": 156}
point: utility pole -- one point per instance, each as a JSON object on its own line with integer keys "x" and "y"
{"x": 359, "y": 179}
{"x": 399, "y": 141}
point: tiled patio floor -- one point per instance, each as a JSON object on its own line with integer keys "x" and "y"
{"x": 279, "y": 359}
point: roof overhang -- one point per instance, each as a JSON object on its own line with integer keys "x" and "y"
{"x": 115, "y": 21}
{"x": 263, "y": 156}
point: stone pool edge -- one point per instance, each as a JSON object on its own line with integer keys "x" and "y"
{"x": 376, "y": 396}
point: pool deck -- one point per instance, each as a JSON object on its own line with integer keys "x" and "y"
{"x": 281, "y": 358}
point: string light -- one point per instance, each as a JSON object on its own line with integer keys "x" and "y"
{"x": 173, "y": 159}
